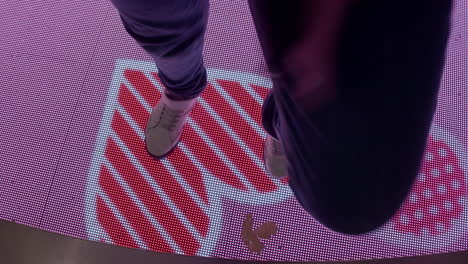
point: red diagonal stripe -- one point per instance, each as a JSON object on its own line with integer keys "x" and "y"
{"x": 112, "y": 226}
{"x": 153, "y": 202}
{"x": 142, "y": 84}
{"x": 148, "y": 91}
{"x": 260, "y": 90}
{"x": 181, "y": 162}
{"x": 133, "y": 107}
{"x": 210, "y": 159}
{"x": 158, "y": 172}
{"x": 189, "y": 172}
{"x": 207, "y": 156}
{"x": 257, "y": 177}
{"x": 234, "y": 119}
{"x": 128, "y": 208}
{"x": 244, "y": 99}
{"x": 239, "y": 124}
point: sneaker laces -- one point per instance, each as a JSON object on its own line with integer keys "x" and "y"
{"x": 171, "y": 118}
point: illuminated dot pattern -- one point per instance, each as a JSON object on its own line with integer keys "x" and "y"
{"x": 435, "y": 200}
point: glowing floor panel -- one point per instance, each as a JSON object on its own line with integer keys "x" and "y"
{"x": 78, "y": 92}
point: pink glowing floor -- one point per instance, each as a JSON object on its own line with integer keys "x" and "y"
{"x": 75, "y": 94}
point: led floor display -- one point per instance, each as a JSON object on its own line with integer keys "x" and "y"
{"x": 77, "y": 92}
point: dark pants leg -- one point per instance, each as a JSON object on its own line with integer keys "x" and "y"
{"x": 172, "y": 32}
{"x": 354, "y": 160}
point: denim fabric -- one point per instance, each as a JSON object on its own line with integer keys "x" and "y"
{"x": 354, "y": 160}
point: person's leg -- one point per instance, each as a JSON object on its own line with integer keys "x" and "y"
{"x": 354, "y": 160}
{"x": 278, "y": 28}
{"x": 172, "y": 32}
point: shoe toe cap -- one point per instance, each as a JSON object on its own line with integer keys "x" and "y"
{"x": 158, "y": 143}
{"x": 277, "y": 167}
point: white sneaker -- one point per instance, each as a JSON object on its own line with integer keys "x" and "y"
{"x": 273, "y": 156}
{"x": 165, "y": 125}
